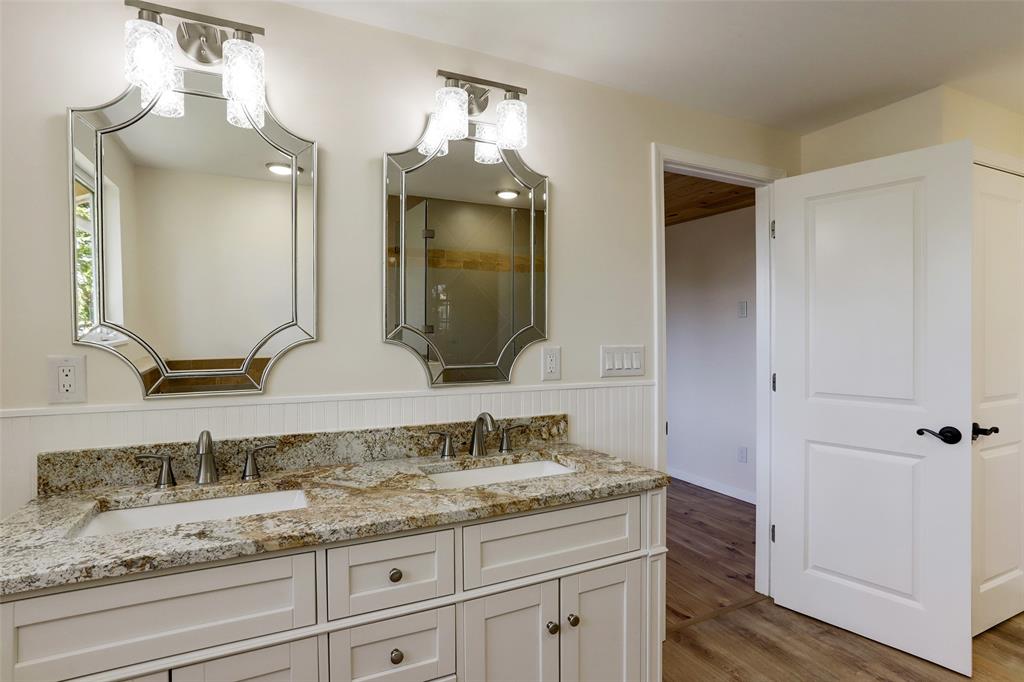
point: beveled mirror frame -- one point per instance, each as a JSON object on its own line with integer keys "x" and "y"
{"x": 467, "y": 374}
{"x": 302, "y": 326}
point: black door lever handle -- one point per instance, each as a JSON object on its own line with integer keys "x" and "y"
{"x": 947, "y": 434}
{"x": 976, "y": 431}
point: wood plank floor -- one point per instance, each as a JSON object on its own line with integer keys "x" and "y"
{"x": 720, "y": 629}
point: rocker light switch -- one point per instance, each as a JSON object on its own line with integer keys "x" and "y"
{"x": 622, "y": 361}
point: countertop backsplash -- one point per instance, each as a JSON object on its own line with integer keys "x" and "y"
{"x": 74, "y": 470}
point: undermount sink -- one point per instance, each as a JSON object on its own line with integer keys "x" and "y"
{"x": 121, "y": 520}
{"x": 498, "y": 474}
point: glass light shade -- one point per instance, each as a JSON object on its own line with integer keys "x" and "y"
{"x": 453, "y": 112}
{"x": 148, "y": 55}
{"x": 486, "y": 152}
{"x": 237, "y": 117}
{"x": 171, "y": 104}
{"x": 511, "y": 124}
{"x": 433, "y": 138}
{"x": 244, "y": 83}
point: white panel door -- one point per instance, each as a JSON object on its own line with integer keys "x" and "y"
{"x": 512, "y": 636}
{"x": 998, "y": 396}
{"x": 602, "y": 624}
{"x": 872, "y": 268}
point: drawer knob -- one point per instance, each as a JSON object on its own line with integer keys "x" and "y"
{"x": 397, "y": 656}
{"x": 573, "y": 619}
{"x": 552, "y": 627}
{"x": 395, "y": 576}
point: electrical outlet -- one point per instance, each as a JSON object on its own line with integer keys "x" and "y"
{"x": 742, "y": 455}
{"x": 66, "y": 378}
{"x": 551, "y": 363}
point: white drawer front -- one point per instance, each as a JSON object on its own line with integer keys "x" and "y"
{"x": 502, "y": 550}
{"x": 291, "y": 662}
{"x": 426, "y": 642}
{"x": 365, "y": 577}
{"x": 89, "y": 630}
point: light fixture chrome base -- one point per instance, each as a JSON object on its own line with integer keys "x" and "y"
{"x": 202, "y": 43}
{"x": 479, "y": 97}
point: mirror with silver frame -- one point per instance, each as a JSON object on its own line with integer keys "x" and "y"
{"x": 465, "y": 258}
{"x": 193, "y": 240}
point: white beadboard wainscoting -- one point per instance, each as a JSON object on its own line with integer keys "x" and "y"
{"x": 613, "y": 417}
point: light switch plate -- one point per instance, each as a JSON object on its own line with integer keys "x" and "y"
{"x": 742, "y": 309}
{"x": 742, "y": 456}
{"x": 66, "y": 378}
{"x": 551, "y": 363}
{"x": 622, "y": 361}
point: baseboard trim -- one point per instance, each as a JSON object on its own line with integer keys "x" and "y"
{"x": 713, "y": 485}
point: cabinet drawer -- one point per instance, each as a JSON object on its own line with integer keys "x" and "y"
{"x": 423, "y": 644}
{"x": 527, "y": 545}
{"x": 291, "y": 662}
{"x": 378, "y": 575}
{"x": 76, "y": 633}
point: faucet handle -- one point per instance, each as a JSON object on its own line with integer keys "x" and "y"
{"x": 447, "y": 450}
{"x": 506, "y": 442}
{"x": 166, "y": 476}
{"x": 250, "y": 471}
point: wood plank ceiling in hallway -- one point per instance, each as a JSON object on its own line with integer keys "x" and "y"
{"x": 688, "y": 198}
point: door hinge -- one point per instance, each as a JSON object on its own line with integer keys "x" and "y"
{"x": 775, "y": 381}
{"x": 428, "y": 234}
{"x": 773, "y": 532}
{"x": 773, "y": 229}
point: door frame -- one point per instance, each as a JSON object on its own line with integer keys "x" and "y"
{"x": 697, "y": 164}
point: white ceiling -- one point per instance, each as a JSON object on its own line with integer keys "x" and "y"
{"x": 798, "y": 66}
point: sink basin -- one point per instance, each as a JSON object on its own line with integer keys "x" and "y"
{"x": 121, "y": 520}
{"x": 498, "y": 474}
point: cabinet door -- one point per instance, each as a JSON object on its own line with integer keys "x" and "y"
{"x": 505, "y": 636}
{"x": 292, "y": 662}
{"x": 606, "y": 642}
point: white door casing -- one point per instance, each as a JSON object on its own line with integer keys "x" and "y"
{"x": 872, "y": 282}
{"x": 998, "y": 396}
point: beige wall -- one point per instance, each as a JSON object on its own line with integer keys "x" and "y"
{"x": 710, "y": 390}
{"x": 932, "y": 117}
{"x": 359, "y": 91}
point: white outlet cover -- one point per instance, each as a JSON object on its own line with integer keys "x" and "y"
{"x": 551, "y": 363}
{"x": 65, "y": 378}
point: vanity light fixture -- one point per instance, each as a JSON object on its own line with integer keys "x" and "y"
{"x": 172, "y": 102}
{"x": 433, "y": 138}
{"x": 149, "y": 61}
{"x": 485, "y": 150}
{"x": 148, "y": 53}
{"x": 244, "y": 83}
{"x": 507, "y": 194}
{"x": 464, "y": 96}
{"x": 281, "y": 168}
{"x": 512, "y": 122}
{"x": 452, "y": 109}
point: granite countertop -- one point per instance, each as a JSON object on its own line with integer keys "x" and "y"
{"x": 39, "y": 547}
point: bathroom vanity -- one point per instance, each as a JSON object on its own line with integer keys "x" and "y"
{"x": 542, "y": 563}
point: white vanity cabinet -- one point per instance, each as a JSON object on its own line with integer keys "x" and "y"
{"x": 573, "y": 594}
{"x": 290, "y": 662}
{"x": 506, "y": 636}
{"x": 586, "y": 627}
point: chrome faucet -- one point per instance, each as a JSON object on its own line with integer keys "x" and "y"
{"x": 483, "y": 425}
{"x": 207, "y": 472}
